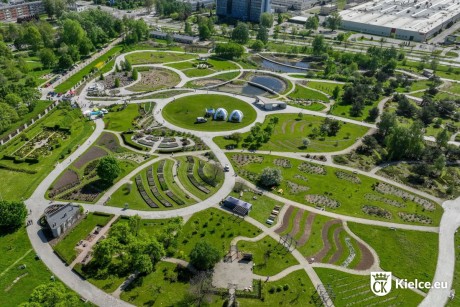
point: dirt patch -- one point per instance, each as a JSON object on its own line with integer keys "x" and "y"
{"x": 242, "y": 159}
{"x": 312, "y": 168}
{"x": 285, "y": 222}
{"x": 323, "y": 201}
{"x": 307, "y": 229}
{"x": 415, "y": 218}
{"x": 109, "y": 141}
{"x": 297, "y": 219}
{"x": 367, "y": 260}
{"x": 377, "y": 212}
{"x": 67, "y": 181}
{"x": 92, "y": 154}
{"x": 337, "y": 242}
{"x": 124, "y": 77}
{"x": 295, "y": 188}
{"x": 327, "y": 245}
{"x": 285, "y": 163}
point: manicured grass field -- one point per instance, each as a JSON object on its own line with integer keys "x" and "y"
{"x": 290, "y": 132}
{"x": 301, "y": 92}
{"x": 354, "y": 290}
{"x": 349, "y": 195}
{"x": 17, "y": 284}
{"x": 344, "y": 111}
{"x": 151, "y": 57}
{"x": 417, "y": 85}
{"x": 183, "y": 112}
{"x": 156, "y": 289}
{"x": 325, "y": 87}
{"x": 315, "y": 106}
{"x": 214, "y": 226}
{"x": 121, "y": 120}
{"x": 66, "y": 247}
{"x": 407, "y": 254}
{"x": 298, "y": 292}
{"x": 69, "y": 83}
{"x": 270, "y": 257}
{"x": 17, "y": 184}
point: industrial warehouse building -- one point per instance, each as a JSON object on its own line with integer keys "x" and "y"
{"x": 412, "y": 20}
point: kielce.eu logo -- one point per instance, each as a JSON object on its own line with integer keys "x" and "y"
{"x": 380, "y": 283}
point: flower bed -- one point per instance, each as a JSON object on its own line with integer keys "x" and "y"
{"x": 377, "y": 212}
{"x": 312, "y": 169}
{"x": 382, "y": 199}
{"x": 283, "y": 163}
{"x": 295, "y": 188}
{"x": 415, "y": 218}
{"x": 388, "y": 189}
{"x": 242, "y": 159}
{"x": 144, "y": 195}
{"x": 321, "y": 200}
{"x": 348, "y": 177}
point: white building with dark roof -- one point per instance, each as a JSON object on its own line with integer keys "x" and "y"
{"x": 61, "y": 217}
{"x": 412, "y": 20}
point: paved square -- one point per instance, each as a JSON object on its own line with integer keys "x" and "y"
{"x": 235, "y": 272}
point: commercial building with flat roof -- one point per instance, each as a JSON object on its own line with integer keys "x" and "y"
{"x": 409, "y": 20}
{"x": 245, "y": 10}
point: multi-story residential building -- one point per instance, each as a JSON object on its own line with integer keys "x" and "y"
{"x": 245, "y": 10}
{"x": 20, "y": 9}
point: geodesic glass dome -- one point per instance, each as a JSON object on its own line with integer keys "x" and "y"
{"x": 236, "y": 116}
{"x": 221, "y": 114}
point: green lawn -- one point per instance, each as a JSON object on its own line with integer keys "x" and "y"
{"x": 121, "y": 120}
{"x": 72, "y": 81}
{"x": 314, "y": 106}
{"x": 17, "y": 184}
{"x": 299, "y": 183}
{"x": 325, "y": 87}
{"x": 129, "y": 194}
{"x": 270, "y": 257}
{"x": 417, "y": 85}
{"x": 213, "y": 226}
{"x": 456, "y": 280}
{"x": 344, "y": 111}
{"x": 17, "y": 284}
{"x": 203, "y": 82}
{"x": 183, "y": 112}
{"x": 157, "y": 289}
{"x": 151, "y": 57}
{"x": 354, "y": 290}
{"x": 66, "y": 247}
{"x": 301, "y": 92}
{"x": 407, "y": 254}
{"x": 290, "y": 132}
{"x": 299, "y": 292}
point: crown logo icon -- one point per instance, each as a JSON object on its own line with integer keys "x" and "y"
{"x": 381, "y": 276}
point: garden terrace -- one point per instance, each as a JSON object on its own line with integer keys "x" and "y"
{"x": 152, "y": 57}
{"x": 183, "y": 112}
{"x": 20, "y": 177}
{"x": 291, "y": 129}
{"x": 354, "y": 289}
{"x": 156, "y": 193}
{"x": 185, "y": 174}
{"x": 327, "y": 191}
{"x": 66, "y": 247}
{"x": 144, "y": 195}
{"x": 154, "y": 79}
{"x": 214, "y": 226}
{"x": 199, "y": 68}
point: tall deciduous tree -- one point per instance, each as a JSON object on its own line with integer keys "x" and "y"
{"x": 108, "y": 169}
{"x": 204, "y": 256}
{"x": 241, "y": 33}
{"x": 266, "y": 20}
{"x": 334, "y": 21}
{"x": 12, "y": 215}
{"x": 270, "y": 177}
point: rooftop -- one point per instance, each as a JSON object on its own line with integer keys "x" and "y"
{"x": 59, "y": 215}
{"x": 412, "y": 15}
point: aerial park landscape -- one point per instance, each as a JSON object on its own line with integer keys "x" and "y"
{"x": 157, "y": 172}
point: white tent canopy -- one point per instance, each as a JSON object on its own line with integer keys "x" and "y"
{"x": 236, "y": 116}
{"x": 221, "y": 114}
